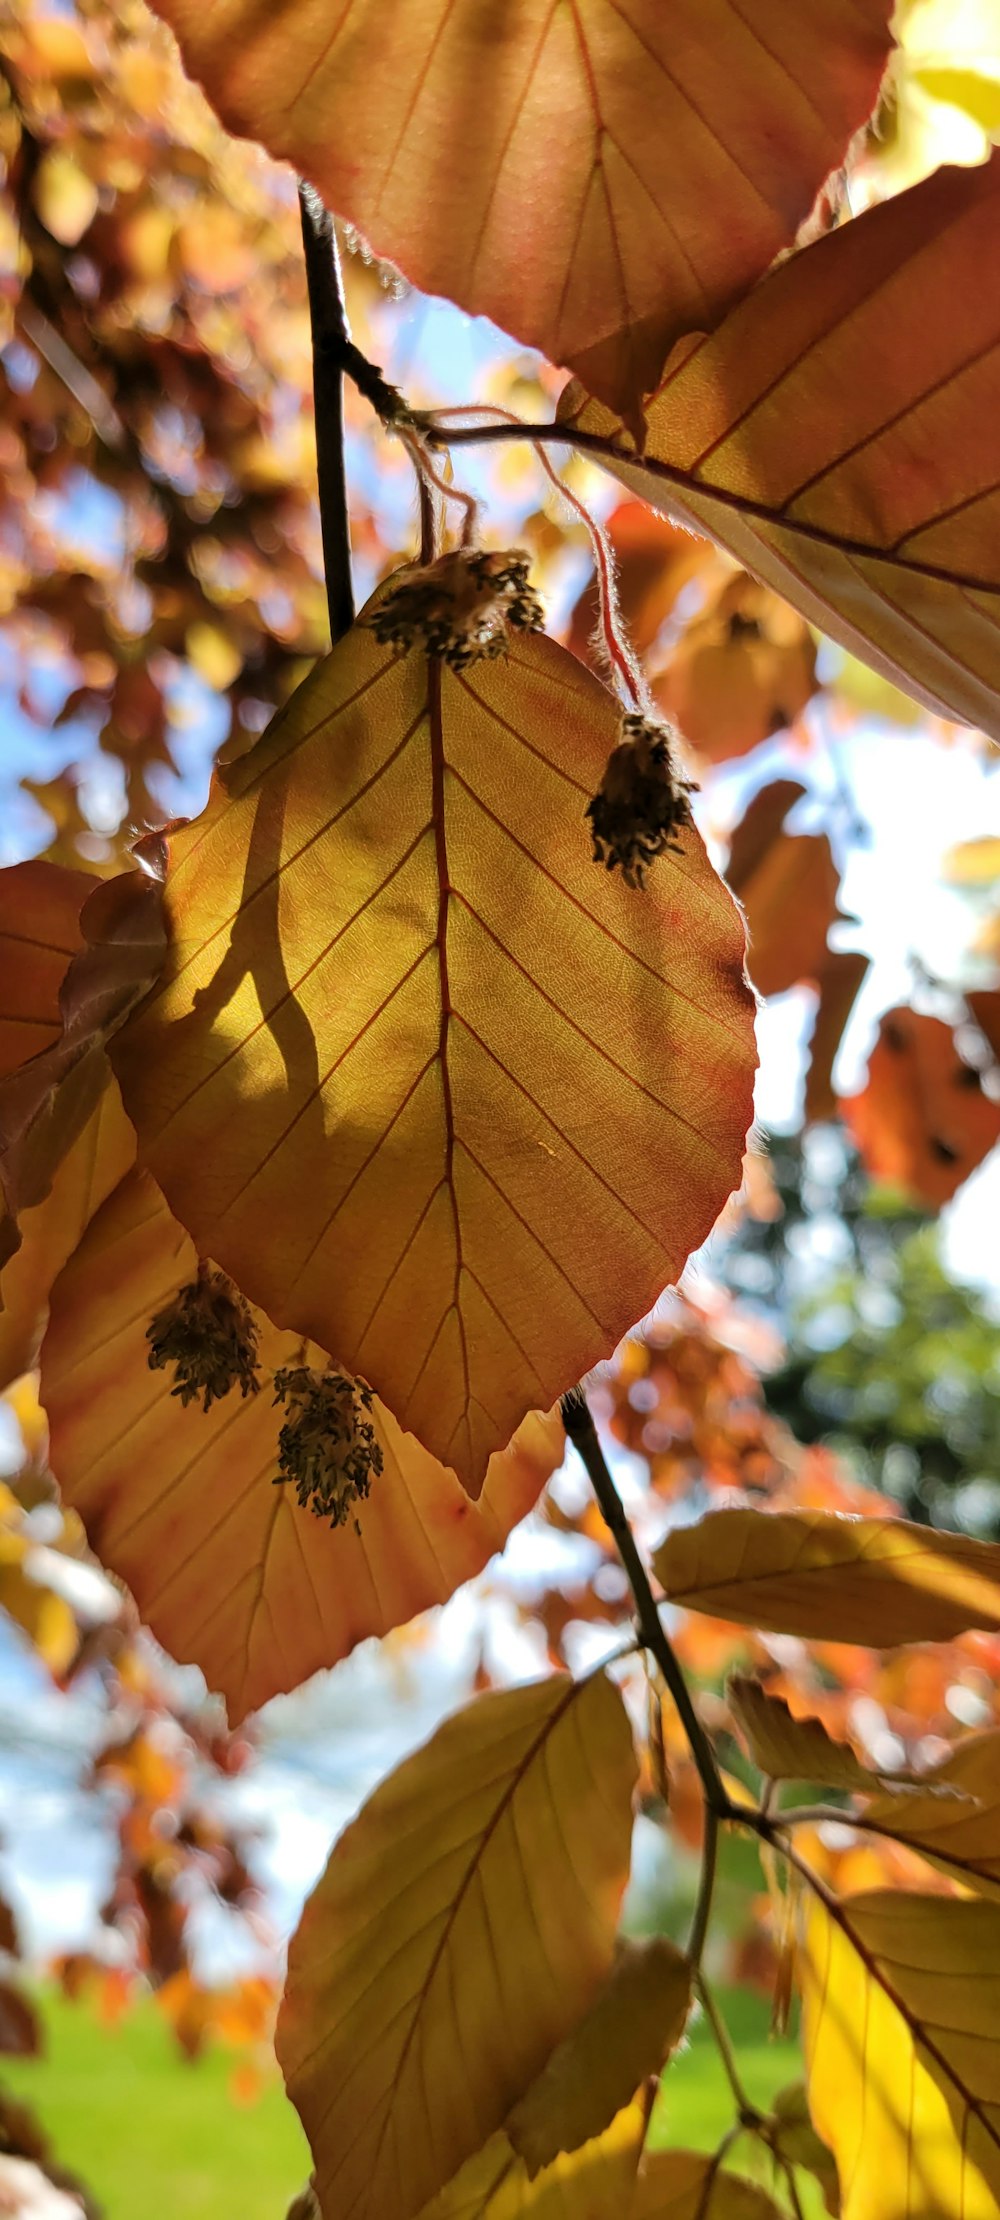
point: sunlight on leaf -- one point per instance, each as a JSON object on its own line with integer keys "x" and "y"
{"x": 901, "y": 2006}
{"x": 954, "y": 1817}
{"x": 464, "y": 1924}
{"x": 225, "y": 1567}
{"x": 432, "y": 1087}
{"x": 684, "y": 2185}
{"x": 91, "y": 1167}
{"x": 785, "y": 1748}
{"x": 594, "y": 2183}
{"x": 833, "y": 1578}
{"x": 632, "y": 2025}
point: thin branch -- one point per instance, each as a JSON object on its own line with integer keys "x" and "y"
{"x": 706, "y": 1887}
{"x": 583, "y": 1435}
{"x": 330, "y": 339}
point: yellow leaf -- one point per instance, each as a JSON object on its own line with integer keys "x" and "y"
{"x": 225, "y": 1567}
{"x": 43, "y": 1616}
{"x": 957, "y": 1821}
{"x": 785, "y": 1748}
{"x": 901, "y": 2008}
{"x": 434, "y": 1088}
{"x": 833, "y": 1578}
{"x": 593, "y": 2183}
{"x": 640, "y": 166}
{"x": 631, "y": 2027}
{"x": 973, "y": 862}
{"x": 836, "y": 434}
{"x": 793, "y": 2137}
{"x": 463, "y": 1925}
{"x": 65, "y": 197}
{"x": 683, "y": 2185}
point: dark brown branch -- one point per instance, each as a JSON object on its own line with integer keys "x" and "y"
{"x": 330, "y": 338}
{"x": 583, "y": 1435}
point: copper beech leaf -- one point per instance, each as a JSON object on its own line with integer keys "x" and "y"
{"x": 49, "y": 1231}
{"x": 40, "y": 906}
{"x": 832, "y": 1578}
{"x": 838, "y": 434}
{"x": 901, "y": 2032}
{"x": 633, "y": 167}
{"x": 785, "y": 1748}
{"x": 226, "y": 1568}
{"x": 632, "y": 2025}
{"x": 433, "y": 1087}
{"x": 686, "y": 2185}
{"x": 953, "y": 1815}
{"x": 922, "y": 1120}
{"x": 463, "y": 1925}
{"x": 596, "y": 2182}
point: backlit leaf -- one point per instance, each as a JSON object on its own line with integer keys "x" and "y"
{"x": 838, "y": 434}
{"x": 901, "y": 2008}
{"x": 922, "y": 1120}
{"x": 833, "y": 1578}
{"x": 839, "y": 983}
{"x": 787, "y": 884}
{"x": 435, "y": 1089}
{"x": 632, "y": 167}
{"x": 86, "y": 1174}
{"x": 636, "y": 2020}
{"x": 785, "y": 1748}
{"x": 464, "y": 1923}
{"x": 743, "y": 669}
{"x": 40, "y": 906}
{"x": 226, "y": 1568}
{"x": 956, "y": 1819}
{"x": 594, "y": 2183}
{"x": 686, "y": 2185}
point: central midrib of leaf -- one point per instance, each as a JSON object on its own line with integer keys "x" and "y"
{"x": 438, "y": 767}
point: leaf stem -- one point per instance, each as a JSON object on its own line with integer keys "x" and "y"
{"x": 706, "y": 1888}
{"x": 582, "y": 1433}
{"x": 330, "y": 339}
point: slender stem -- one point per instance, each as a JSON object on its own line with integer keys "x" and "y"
{"x": 750, "y": 2116}
{"x": 330, "y": 338}
{"x": 706, "y": 1887}
{"x": 583, "y": 1435}
{"x": 791, "y": 2185}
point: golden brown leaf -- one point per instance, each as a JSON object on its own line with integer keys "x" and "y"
{"x": 92, "y": 1165}
{"x": 463, "y": 1925}
{"x": 226, "y": 1568}
{"x": 743, "y": 669}
{"x": 685, "y": 2185}
{"x": 901, "y": 2008}
{"x": 596, "y": 2182}
{"x": 839, "y": 982}
{"x": 955, "y": 1817}
{"x": 922, "y": 1120}
{"x": 837, "y": 435}
{"x": 433, "y": 1088}
{"x": 631, "y": 171}
{"x": 787, "y": 884}
{"x": 785, "y": 1748}
{"x": 833, "y": 1578}
{"x": 633, "y": 2024}
{"x": 40, "y": 907}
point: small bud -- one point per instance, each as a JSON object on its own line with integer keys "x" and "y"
{"x": 327, "y": 1444}
{"x": 461, "y": 607}
{"x": 642, "y": 803}
{"x": 207, "y": 1333}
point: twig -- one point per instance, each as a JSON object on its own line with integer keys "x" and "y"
{"x": 706, "y": 1887}
{"x": 330, "y": 339}
{"x": 583, "y": 1434}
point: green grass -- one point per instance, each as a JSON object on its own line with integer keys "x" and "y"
{"x": 151, "y": 2133}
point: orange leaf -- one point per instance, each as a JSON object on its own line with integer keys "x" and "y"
{"x": 40, "y": 907}
{"x": 787, "y": 884}
{"x": 85, "y": 1175}
{"x": 840, "y": 982}
{"x": 922, "y": 1120}
{"x": 653, "y": 560}
{"x": 429, "y": 1084}
{"x": 838, "y": 436}
{"x": 623, "y": 173}
{"x": 744, "y": 668}
{"x": 225, "y": 1567}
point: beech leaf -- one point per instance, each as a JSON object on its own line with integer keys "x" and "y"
{"x": 632, "y": 168}
{"x": 953, "y": 1814}
{"x": 832, "y": 1578}
{"x": 631, "y": 2027}
{"x": 40, "y": 906}
{"x": 596, "y": 2182}
{"x": 463, "y": 1925}
{"x": 922, "y": 1120}
{"x": 433, "y": 1088}
{"x": 226, "y": 1568}
{"x": 50, "y": 1230}
{"x": 838, "y": 434}
{"x": 901, "y": 2013}
{"x": 785, "y": 1748}
{"x": 686, "y": 2185}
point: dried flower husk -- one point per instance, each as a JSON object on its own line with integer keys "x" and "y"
{"x": 208, "y": 1334}
{"x": 327, "y": 1445}
{"x": 461, "y": 607}
{"x": 643, "y": 801}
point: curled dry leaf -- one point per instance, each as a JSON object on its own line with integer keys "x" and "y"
{"x": 922, "y": 1120}
{"x": 464, "y": 1924}
{"x": 832, "y": 1578}
{"x": 596, "y": 2182}
{"x": 636, "y": 2020}
{"x": 785, "y": 1748}
{"x": 901, "y": 2010}
{"x": 432, "y": 1088}
{"x": 874, "y": 511}
{"x": 953, "y": 1815}
{"x": 633, "y": 168}
{"x": 227, "y": 1569}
